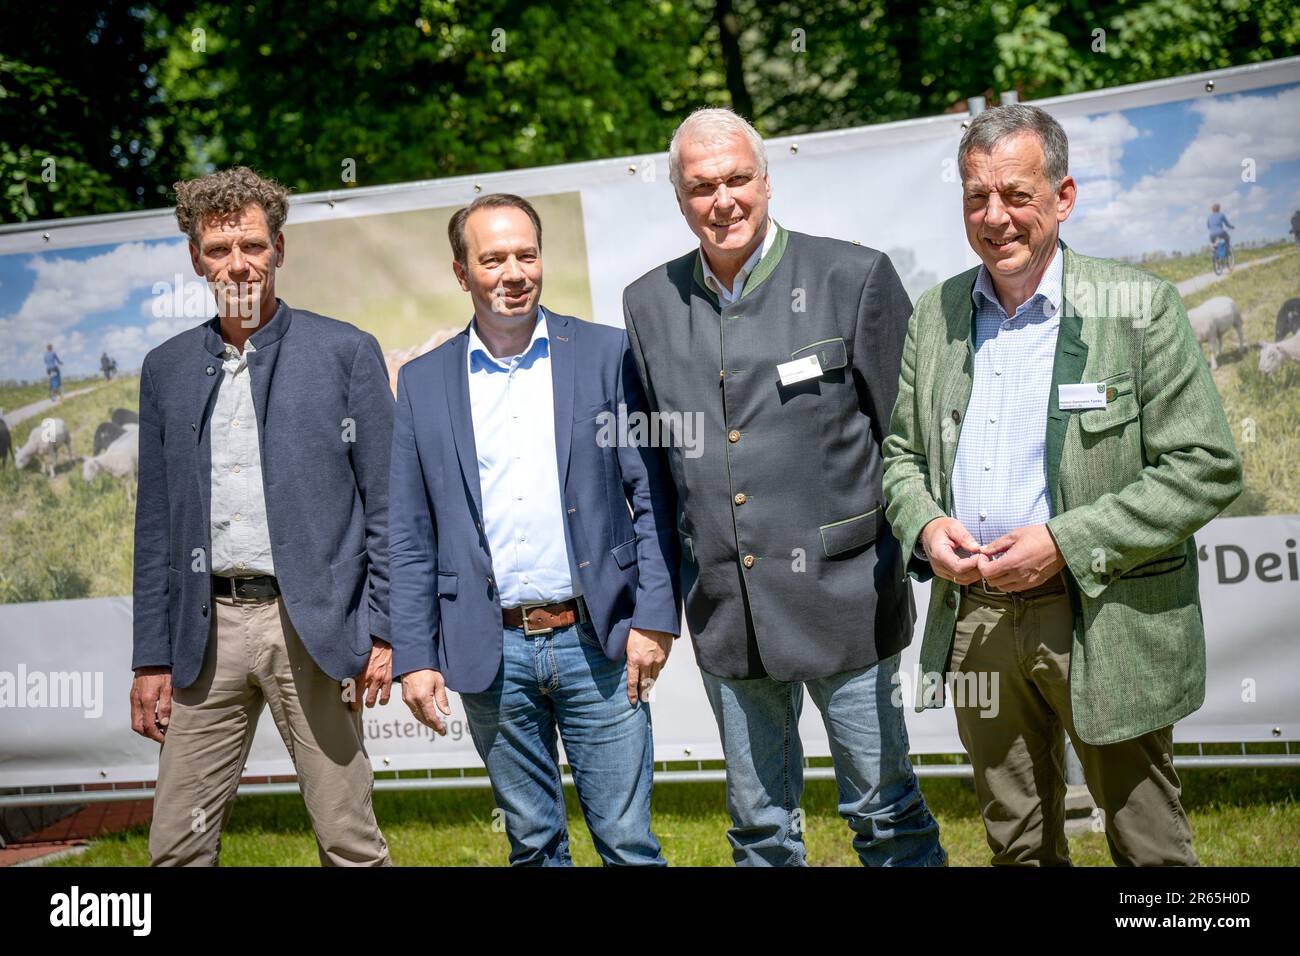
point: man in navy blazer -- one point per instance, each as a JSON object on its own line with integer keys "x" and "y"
{"x": 261, "y": 540}
{"x": 533, "y": 551}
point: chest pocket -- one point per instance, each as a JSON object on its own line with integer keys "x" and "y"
{"x": 831, "y": 353}
{"x": 1121, "y": 406}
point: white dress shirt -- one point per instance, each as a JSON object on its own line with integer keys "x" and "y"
{"x": 513, "y": 407}
{"x": 241, "y": 538}
{"x": 728, "y": 296}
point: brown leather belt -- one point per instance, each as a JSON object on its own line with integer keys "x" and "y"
{"x": 1053, "y": 585}
{"x": 543, "y": 618}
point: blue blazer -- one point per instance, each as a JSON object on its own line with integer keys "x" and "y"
{"x": 446, "y": 609}
{"x": 324, "y": 421}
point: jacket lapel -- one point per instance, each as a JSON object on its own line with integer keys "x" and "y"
{"x": 456, "y": 379}
{"x": 207, "y": 374}
{"x": 261, "y": 364}
{"x": 1067, "y": 369}
{"x": 560, "y": 333}
{"x": 698, "y": 275}
{"x": 957, "y": 374}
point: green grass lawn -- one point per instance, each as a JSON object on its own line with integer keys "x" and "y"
{"x": 1178, "y": 268}
{"x": 1239, "y": 817}
{"x": 16, "y": 396}
{"x": 62, "y": 538}
{"x": 1263, "y": 410}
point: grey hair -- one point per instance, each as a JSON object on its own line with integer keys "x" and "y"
{"x": 712, "y": 124}
{"x": 999, "y": 123}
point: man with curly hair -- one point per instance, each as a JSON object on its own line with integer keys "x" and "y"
{"x": 261, "y": 540}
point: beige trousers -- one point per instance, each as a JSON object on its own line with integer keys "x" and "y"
{"x": 255, "y": 657}
{"x": 1018, "y": 754}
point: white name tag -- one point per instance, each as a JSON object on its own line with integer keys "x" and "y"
{"x": 1083, "y": 395}
{"x": 800, "y": 370}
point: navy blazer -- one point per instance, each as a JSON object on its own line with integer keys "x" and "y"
{"x": 324, "y": 424}
{"x": 446, "y": 609}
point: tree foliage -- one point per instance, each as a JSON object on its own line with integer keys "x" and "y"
{"x": 121, "y": 99}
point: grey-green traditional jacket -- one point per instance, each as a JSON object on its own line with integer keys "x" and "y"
{"x": 1129, "y": 484}
{"x": 788, "y": 567}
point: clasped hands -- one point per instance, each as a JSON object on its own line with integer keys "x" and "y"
{"x": 1017, "y": 561}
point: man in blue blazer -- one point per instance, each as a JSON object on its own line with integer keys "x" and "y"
{"x": 261, "y": 540}
{"x": 532, "y": 548}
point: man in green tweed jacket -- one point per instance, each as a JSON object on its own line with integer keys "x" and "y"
{"x": 1056, "y": 442}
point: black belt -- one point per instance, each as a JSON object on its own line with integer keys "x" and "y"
{"x": 246, "y": 587}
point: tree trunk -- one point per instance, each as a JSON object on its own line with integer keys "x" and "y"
{"x": 729, "y": 30}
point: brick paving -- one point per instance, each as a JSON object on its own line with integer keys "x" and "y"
{"x": 91, "y": 821}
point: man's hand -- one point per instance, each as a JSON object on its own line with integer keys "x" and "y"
{"x": 941, "y": 539}
{"x": 376, "y": 679}
{"x": 421, "y": 690}
{"x": 151, "y": 702}
{"x": 1022, "y": 559}
{"x": 647, "y": 651}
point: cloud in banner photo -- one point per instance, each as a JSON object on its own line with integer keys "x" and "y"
{"x": 1147, "y": 176}
{"x": 389, "y": 274}
{"x": 86, "y": 301}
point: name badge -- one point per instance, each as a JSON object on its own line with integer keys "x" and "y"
{"x": 1083, "y": 395}
{"x": 800, "y": 370}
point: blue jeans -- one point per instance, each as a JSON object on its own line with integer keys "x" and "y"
{"x": 758, "y": 721}
{"x": 563, "y": 681}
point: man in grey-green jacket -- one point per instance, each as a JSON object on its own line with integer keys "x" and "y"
{"x": 784, "y": 347}
{"x": 1056, "y": 442}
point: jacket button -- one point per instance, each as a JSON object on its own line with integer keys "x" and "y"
{"x": 210, "y": 370}
{"x": 205, "y": 610}
{"x": 733, "y": 436}
{"x": 951, "y": 600}
{"x": 748, "y": 561}
{"x": 956, "y": 417}
{"x": 740, "y": 499}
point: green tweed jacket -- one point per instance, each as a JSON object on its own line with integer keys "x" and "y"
{"x": 1129, "y": 484}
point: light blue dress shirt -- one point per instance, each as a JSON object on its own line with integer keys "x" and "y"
{"x": 513, "y": 407}
{"x": 999, "y": 480}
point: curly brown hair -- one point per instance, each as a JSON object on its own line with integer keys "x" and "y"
{"x": 226, "y": 193}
